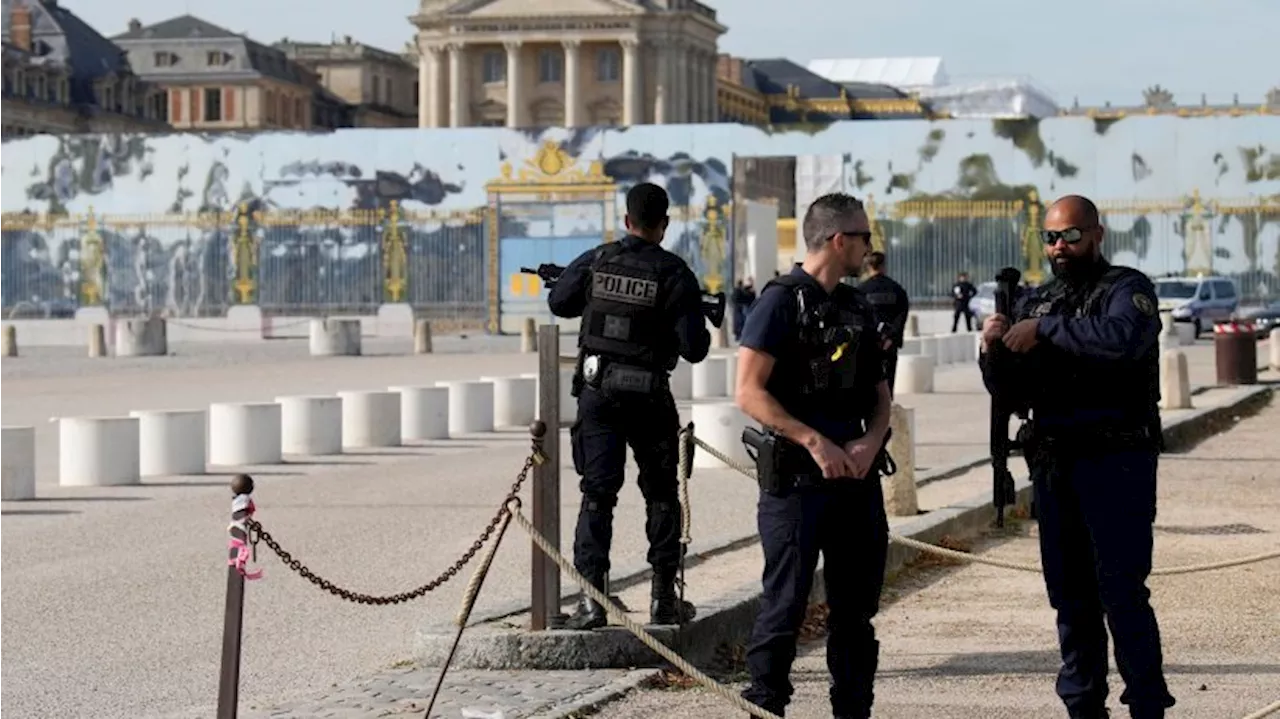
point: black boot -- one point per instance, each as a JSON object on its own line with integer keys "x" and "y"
{"x": 588, "y": 614}
{"x": 665, "y": 606}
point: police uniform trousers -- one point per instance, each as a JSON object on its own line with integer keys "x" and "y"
{"x": 1095, "y": 512}
{"x": 605, "y": 426}
{"x": 890, "y": 368}
{"x": 844, "y": 520}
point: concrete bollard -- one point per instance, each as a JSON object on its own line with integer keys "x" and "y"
{"x": 424, "y": 412}
{"x": 98, "y": 451}
{"x": 422, "y": 337}
{"x": 97, "y": 341}
{"x": 915, "y": 375}
{"x": 142, "y": 338}
{"x": 335, "y": 338}
{"x": 310, "y": 425}
{"x": 1175, "y": 380}
{"x": 709, "y": 378}
{"x": 529, "y": 336}
{"x": 18, "y": 457}
{"x": 730, "y": 375}
{"x": 470, "y": 406}
{"x": 170, "y": 442}
{"x": 515, "y": 401}
{"x": 900, "y": 498}
{"x": 244, "y": 433}
{"x": 10, "y": 341}
{"x": 719, "y": 335}
{"x": 370, "y": 419}
{"x": 720, "y": 425}
{"x": 1273, "y": 341}
{"x": 1186, "y": 333}
{"x": 929, "y": 348}
{"x": 681, "y": 381}
{"x": 913, "y": 327}
{"x": 910, "y": 346}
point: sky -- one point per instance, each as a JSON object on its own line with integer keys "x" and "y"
{"x": 1097, "y": 51}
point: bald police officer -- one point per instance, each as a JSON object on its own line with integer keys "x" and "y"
{"x": 641, "y": 310}
{"x": 1083, "y": 355}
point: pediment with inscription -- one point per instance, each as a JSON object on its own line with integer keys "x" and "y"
{"x": 540, "y": 8}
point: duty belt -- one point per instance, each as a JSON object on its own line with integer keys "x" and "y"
{"x": 614, "y": 377}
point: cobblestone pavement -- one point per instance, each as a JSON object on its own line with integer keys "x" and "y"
{"x": 406, "y": 692}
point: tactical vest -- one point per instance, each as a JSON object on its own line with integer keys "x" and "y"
{"x": 623, "y": 319}
{"x": 1059, "y": 298}
{"x": 831, "y": 329}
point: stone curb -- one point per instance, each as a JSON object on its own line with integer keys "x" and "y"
{"x": 588, "y": 703}
{"x": 727, "y": 620}
{"x": 1182, "y": 434}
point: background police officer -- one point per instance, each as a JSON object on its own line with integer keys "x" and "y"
{"x": 891, "y": 305}
{"x": 1085, "y": 352}
{"x": 641, "y": 308}
{"x": 810, "y": 367}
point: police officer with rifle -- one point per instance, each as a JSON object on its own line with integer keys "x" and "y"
{"x": 641, "y": 310}
{"x": 1081, "y": 355}
{"x": 811, "y": 371}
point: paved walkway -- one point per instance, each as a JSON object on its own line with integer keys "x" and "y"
{"x": 978, "y": 642}
{"x": 128, "y": 571}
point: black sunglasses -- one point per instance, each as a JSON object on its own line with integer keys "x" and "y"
{"x": 1071, "y": 235}
{"x": 864, "y": 235}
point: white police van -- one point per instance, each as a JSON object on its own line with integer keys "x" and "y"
{"x": 1200, "y": 300}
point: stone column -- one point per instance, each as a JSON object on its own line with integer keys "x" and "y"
{"x": 515, "y": 116}
{"x": 632, "y": 88}
{"x": 679, "y": 74}
{"x": 439, "y": 108}
{"x": 458, "y": 96}
{"x": 424, "y": 86}
{"x": 572, "y": 72}
{"x": 713, "y": 92}
{"x": 663, "y": 102}
{"x": 698, "y": 62}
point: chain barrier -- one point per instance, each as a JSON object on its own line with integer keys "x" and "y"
{"x": 257, "y": 533}
{"x": 232, "y": 330}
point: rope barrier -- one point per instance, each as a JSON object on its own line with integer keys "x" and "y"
{"x": 990, "y": 561}
{"x": 1268, "y": 710}
{"x": 632, "y": 626}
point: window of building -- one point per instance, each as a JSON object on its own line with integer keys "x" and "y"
{"x": 270, "y": 104}
{"x": 286, "y": 112}
{"x": 495, "y": 66}
{"x": 391, "y": 101}
{"x": 548, "y": 114}
{"x": 213, "y": 104}
{"x": 166, "y": 59}
{"x": 550, "y": 66}
{"x": 417, "y": 95}
{"x": 608, "y": 64}
{"x": 299, "y": 112}
{"x": 109, "y": 97}
{"x": 40, "y": 87}
{"x": 377, "y": 90}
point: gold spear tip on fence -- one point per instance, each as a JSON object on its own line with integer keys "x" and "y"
{"x": 241, "y": 484}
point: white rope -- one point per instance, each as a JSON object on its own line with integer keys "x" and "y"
{"x": 632, "y": 626}
{"x": 1268, "y": 710}
{"x": 1005, "y": 564}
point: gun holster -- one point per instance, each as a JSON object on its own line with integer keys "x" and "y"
{"x": 612, "y": 378}
{"x": 766, "y": 450}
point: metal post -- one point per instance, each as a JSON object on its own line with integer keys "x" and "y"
{"x": 229, "y": 682}
{"x": 546, "y": 483}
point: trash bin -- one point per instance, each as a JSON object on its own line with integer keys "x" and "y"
{"x": 1235, "y": 352}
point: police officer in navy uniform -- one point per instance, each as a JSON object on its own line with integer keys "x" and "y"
{"x": 810, "y": 368}
{"x": 641, "y": 310}
{"x": 891, "y": 305}
{"x": 1082, "y": 354}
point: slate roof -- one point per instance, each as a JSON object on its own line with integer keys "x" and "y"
{"x": 58, "y": 34}
{"x": 265, "y": 60}
{"x": 773, "y": 76}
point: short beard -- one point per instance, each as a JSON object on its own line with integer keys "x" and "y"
{"x": 1073, "y": 268}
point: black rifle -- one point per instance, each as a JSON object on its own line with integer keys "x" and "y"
{"x": 712, "y": 303}
{"x": 1002, "y": 406}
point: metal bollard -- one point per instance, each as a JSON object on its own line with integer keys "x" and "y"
{"x": 1235, "y": 352}
{"x": 229, "y": 681}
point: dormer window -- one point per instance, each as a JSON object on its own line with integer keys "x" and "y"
{"x": 217, "y": 58}
{"x": 166, "y": 59}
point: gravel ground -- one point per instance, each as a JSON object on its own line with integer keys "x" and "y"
{"x": 978, "y": 642}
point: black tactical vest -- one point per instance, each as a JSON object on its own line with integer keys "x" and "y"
{"x": 623, "y": 319}
{"x": 824, "y": 369}
{"x": 1135, "y": 384}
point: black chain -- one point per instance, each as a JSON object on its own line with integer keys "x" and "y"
{"x": 256, "y": 532}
